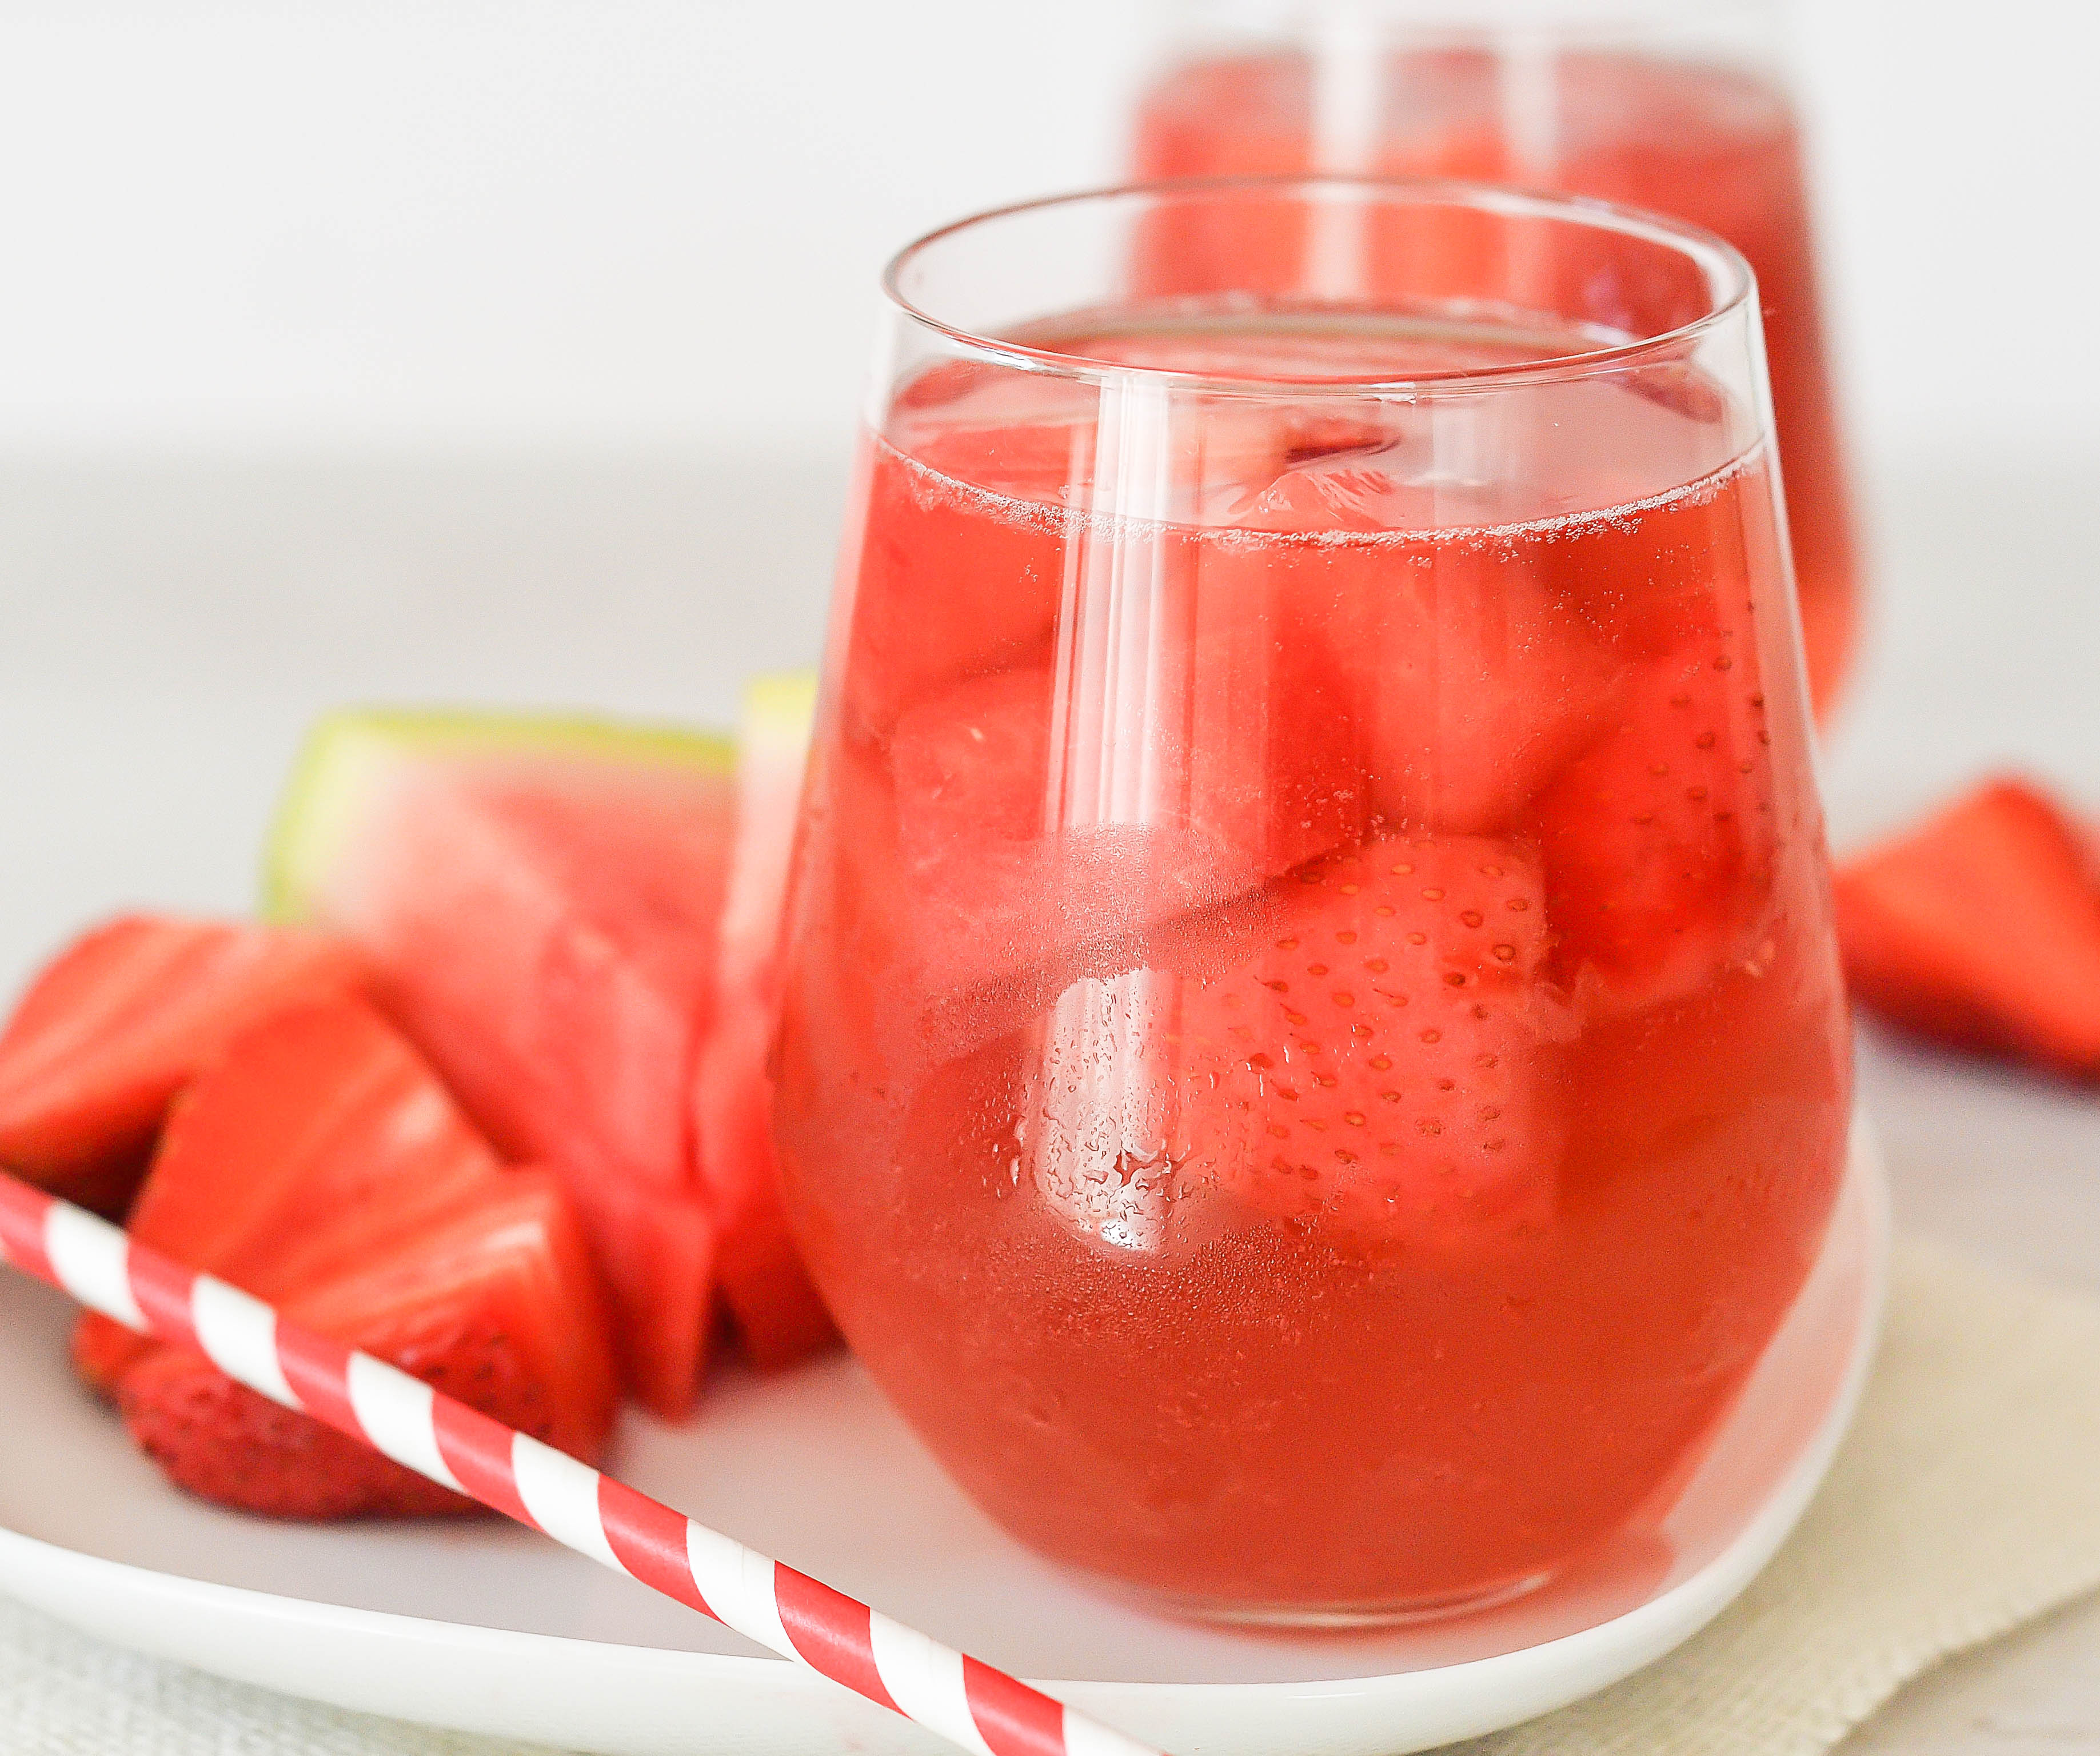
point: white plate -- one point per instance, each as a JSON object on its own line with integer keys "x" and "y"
{"x": 486, "y": 1628}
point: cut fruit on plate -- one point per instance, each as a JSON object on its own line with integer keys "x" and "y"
{"x": 314, "y": 1142}
{"x": 321, "y": 1165}
{"x": 1981, "y": 927}
{"x": 779, "y": 1314}
{"x": 540, "y": 900}
{"x": 114, "y": 1025}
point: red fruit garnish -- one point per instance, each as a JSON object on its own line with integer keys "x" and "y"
{"x": 777, "y": 1311}
{"x": 321, "y": 1165}
{"x": 540, "y": 901}
{"x": 1026, "y": 862}
{"x": 656, "y": 1252}
{"x": 117, "y": 1023}
{"x": 1381, "y": 1065}
{"x": 317, "y": 1142}
{"x": 779, "y": 1315}
{"x": 223, "y": 1442}
{"x": 1660, "y": 840}
{"x": 1387, "y": 1047}
{"x": 467, "y": 1309}
{"x": 920, "y": 618}
{"x": 1981, "y": 927}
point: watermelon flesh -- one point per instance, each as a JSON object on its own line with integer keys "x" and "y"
{"x": 320, "y": 1165}
{"x": 778, "y": 1313}
{"x": 114, "y": 1026}
{"x": 539, "y": 899}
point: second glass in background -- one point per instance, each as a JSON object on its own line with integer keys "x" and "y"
{"x": 1678, "y": 108}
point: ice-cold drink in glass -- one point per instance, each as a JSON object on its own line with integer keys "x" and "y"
{"x": 1313, "y": 1063}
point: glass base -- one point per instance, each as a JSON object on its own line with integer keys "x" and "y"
{"x": 1378, "y": 1615}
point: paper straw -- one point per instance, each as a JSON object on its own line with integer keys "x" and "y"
{"x": 968, "y": 1702}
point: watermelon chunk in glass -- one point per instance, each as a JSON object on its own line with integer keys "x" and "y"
{"x": 540, "y": 899}
{"x": 115, "y": 1025}
{"x": 778, "y": 1313}
{"x": 320, "y": 1165}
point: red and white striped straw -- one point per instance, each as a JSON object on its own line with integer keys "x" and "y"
{"x": 963, "y": 1700}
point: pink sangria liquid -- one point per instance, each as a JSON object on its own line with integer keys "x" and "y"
{"x": 1719, "y": 147}
{"x": 1313, "y": 1063}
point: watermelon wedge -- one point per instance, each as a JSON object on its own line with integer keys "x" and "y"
{"x": 540, "y": 900}
{"x": 114, "y": 1025}
{"x": 778, "y": 1313}
{"x": 321, "y": 1166}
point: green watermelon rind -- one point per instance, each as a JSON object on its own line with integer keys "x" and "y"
{"x": 349, "y": 752}
{"x": 779, "y": 706}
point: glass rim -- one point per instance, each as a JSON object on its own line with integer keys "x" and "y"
{"x": 1737, "y": 287}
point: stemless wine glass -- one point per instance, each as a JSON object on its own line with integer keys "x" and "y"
{"x": 1676, "y": 105}
{"x": 1313, "y": 1062}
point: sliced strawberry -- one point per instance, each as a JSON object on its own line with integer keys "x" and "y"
{"x": 1384, "y": 1064}
{"x": 121, "y": 1019}
{"x": 485, "y": 1309}
{"x": 222, "y": 1442}
{"x": 1661, "y": 839}
{"x": 1981, "y": 927}
{"x": 320, "y": 1165}
{"x": 1381, "y": 1065}
{"x": 318, "y": 1139}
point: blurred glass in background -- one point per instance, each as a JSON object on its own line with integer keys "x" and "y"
{"x": 1680, "y": 107}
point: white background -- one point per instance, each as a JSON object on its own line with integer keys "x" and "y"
{"x": 530, "y": 220}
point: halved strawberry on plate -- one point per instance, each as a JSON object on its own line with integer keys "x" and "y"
{"x": 114, "y": 1025}
{"x": 321, "y": 1165}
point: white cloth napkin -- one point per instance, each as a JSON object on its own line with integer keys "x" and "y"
{"x": 1966, "y": 1501}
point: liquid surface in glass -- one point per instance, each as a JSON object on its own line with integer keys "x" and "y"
{"x": 1718, "y": 146}
{"x": 1313, "y": 1064}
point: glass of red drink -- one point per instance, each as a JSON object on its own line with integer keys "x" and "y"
{"x": 1678, "y": 106}
{"x": 1313, "y": 1063}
